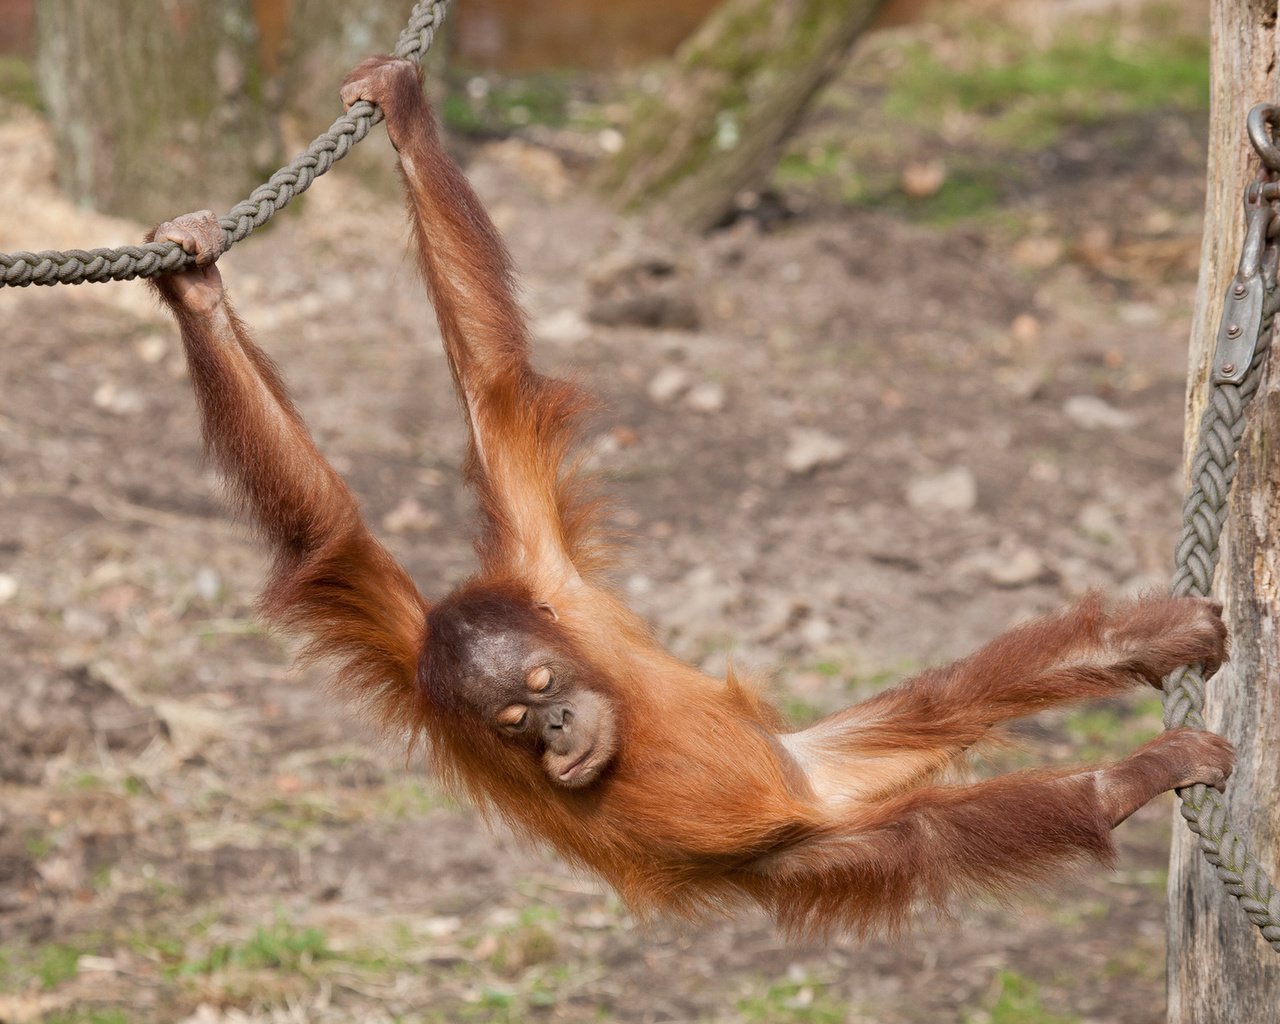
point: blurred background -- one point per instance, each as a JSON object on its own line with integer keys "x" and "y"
{"x": 888, "y": 306}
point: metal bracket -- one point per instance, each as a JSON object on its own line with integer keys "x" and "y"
{"x": 1242, "y": 312}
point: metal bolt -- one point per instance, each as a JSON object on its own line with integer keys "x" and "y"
{"x": 1228, "y": 368}
{"x": 1239, "y": 291}
{"x": 1233, "y": 330}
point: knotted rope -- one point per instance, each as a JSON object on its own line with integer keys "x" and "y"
{"x": 76, "y": 266}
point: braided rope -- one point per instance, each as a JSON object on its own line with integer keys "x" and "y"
{"x": 76, "y": 266}
{"x": 1196, "y": 556}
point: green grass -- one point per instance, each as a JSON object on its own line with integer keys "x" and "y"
{"x": 1027, "y": 95}
{"x": 792, "y": 1002}
{"x": 411, "y": 798}
{"x": 281, "y": 946}
{"x": 18, "y": 82}
{"x": 55, "y": 964}
{"x": 983, "y": 96}
{"x": 1017, "y": 1002}
{"x": 37, "y": 844}
{"x": 1103, "y": 732}
{"x": 506, "y": 105}
{"x": 88, "y": 1017}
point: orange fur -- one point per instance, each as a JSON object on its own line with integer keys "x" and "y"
{"x": 708, "y": 801}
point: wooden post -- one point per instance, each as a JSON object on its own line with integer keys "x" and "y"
{"x": 156, "y": 108}
{"x": 1220, "y": 971}
{"x": 735, "y": 91}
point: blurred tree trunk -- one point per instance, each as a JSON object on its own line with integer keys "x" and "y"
{"x": 1220, "y": 970}
{"x": 157, "y": 108}
{"x": 735, "y": 91}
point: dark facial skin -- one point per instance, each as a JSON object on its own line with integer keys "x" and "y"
{"x": 533, "y": 695}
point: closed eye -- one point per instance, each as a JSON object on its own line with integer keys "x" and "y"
{"x": 513, "y": 717}
{"x": 539, "y": 679}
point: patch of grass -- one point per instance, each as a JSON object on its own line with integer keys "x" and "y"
{"x": 1135, "y": 962}
{"x": 486, "y": 105}
{"x": 56, "y": 963}
{"x": 411, "y": 798}
{"x": 18, "y": 82}
{"x": 816, "y": 162}
{"x": 300, "y": 813}
{"x": 1017, "y": 1001}
{"x": 1026, "y": 95}
{"x": 799, "y": 711}
{"x": 969, "y": 191}
{"x": 792, "y": 1002}
{"x": 866, "y": 684}
{"x": 281, "y": 946}
{"x": 37, "y": 845}
{"x": 88, "y": 1017}
{"x": 1109, "y": 731}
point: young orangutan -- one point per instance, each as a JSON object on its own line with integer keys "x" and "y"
{"x": 550, "y": 702}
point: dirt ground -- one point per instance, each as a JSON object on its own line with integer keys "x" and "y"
{"x": 855, "y": 444}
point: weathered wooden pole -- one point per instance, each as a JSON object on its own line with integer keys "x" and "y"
{"x": 735, "y": 91}
{"x": 155, "y": 107}
{"x": 1220, "y": 970}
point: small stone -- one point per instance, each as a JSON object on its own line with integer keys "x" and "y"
{"x": 923, "y": 178}
{"x": 152, "y": 348}
{"x": 1025, "y": 330}
{"x": 816, "y": 631}
{"x": 624, "y": 436}
{"x": 810, "y": 449}
{"x": 1023, "y": 383}
{"x": 668, "y": 384}
{"x": 80, "y": 622}
{"x": 639, "y": 585}
{"x": 409, "y": 517}
{"x": 1038, "y": 252}
{"x": 1099, "y": 523}
{"x": 564, "y": 327}
{"x": 1042, "y": 472}
{"x": 1092, "y": 413}
{"x": 1017, "y": 569}
{"x": 953, "y": 490}
{"x": 610, "y": 140}
{"x": 707, "y": 397}
{"x": 8, "y": 587}
{"x": 208, "y": 584}
{"x": 121, "y": 401}
{"x": 439, "y": 927}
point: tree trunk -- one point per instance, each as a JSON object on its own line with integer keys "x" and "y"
{"x": 157, "y": 108}
{"x": 735, "y": 91}
{"x": 1220, "y": 970}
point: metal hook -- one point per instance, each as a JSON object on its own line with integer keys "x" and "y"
{"x": 1261, "y": 118}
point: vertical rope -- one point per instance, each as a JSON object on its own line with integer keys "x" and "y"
{"x": 1196, "y": 557}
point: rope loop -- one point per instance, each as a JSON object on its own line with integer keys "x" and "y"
{"x": 76, "y": 266}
